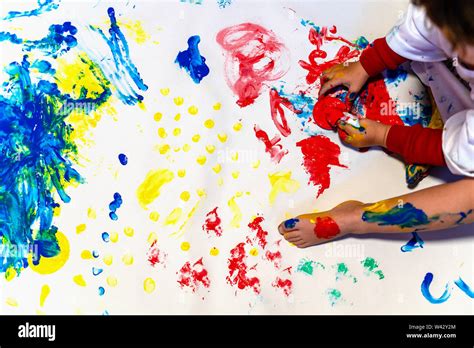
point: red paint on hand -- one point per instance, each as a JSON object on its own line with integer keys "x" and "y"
{"x": 271, "y": 146}
{"x": 326, "y": 228}
{"x": 213, "y": 223}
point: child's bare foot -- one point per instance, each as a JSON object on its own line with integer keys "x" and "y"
{"x": 312, "y": 229}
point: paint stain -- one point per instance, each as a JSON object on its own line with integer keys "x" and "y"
{"x": 284, "y": 284}
{"x": 371, "y": 267}
{"x": 260, "y": 233}
{"x": 328, "y": 110}
{"x": 213, "y": 223}
{"x": 414, "y": 243}
{"x": 326, "y": 228}
{"x": 115, "y": 205}
{"x": 149, "y": 285}
{"x": 235, "y": 209}
{"x": 254, "y": 56}
{"x": 343, "y": 271}
{"x": 123, "y": 159}
{"x": 272, "y": 147}
{"x": 405, "y": 215}
{"x": 238, "y": 270}
{"x": 150, "y": 189}
{"x": 43, "y": 7}
{"x": 45, "y": 291}
{"x": 274, "y": 257}
{"x": 281, "y": 182}
{"x": 425, "y": 290}
{"x": 192, "y": 61}
{"x": 194, "y": 276}
{"x": 155, "y": 256}
{"x": 308, "y": 266}
{"x": 334, "y": 296}
{"x": 278, "y": 115}
{"x": 461, "y": 284}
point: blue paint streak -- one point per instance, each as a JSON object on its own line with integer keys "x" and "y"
{"x": 95, "y": 253}
{"x": 114, "y": 205}
{"x": 425, "y": 290}
{"x": 105, "y": 237}
{"x": 305, "y": 103}
{"x": 124, "y": 68}
{"x": 405, "y": 216}
{"x": 123, "y": 159}
{"x": 101, "y": 292}
{"x": 464, "y": 287}
{"x": 43, "y": 6}
{"x": 192, "y": 61}
{"x": 96, "y": 271}
{"x": 13, "y": 38}
{"x": 413, "y": 243}
{"x": 290, "y": 223}
{"x": 463, "y": 216}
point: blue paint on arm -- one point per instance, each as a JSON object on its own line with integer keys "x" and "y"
{"x": 425, "y": 290}
{"x": 192, "y": 61}
{"x": 463, "y": 216}
{"x": 43, "y": 6}
{"x": 413, "y": 243}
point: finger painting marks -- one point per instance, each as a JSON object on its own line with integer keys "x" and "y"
{"x": 278, "y": 115}
{"x": 328, "y": 110}
{"x": 192, "y": 61}
{"x": 464, "y": 287}
{"x": 371, "y": 267}
{"x": 235, "y": 209}
{"x": 182, "y": 228}
{"x": 425, "y": 290}
{"x": 343, "y": 271}
{"x": 260, "y": 233}
{"x": 213, "y": 223}
{"x": 123, "y": 159}
{"x": 304, "y": 103}
{"x": 286, "y": 285}
{"x": 319, "y": 153}
{"x": 238, "y": 270}
{"x": 150, "y": 189}
{"x": 194, "y": 276}
{"x": 307, "y": 267}
{"x": 155, "y": 256}
{"x": 115, "y": 205}
{"x": 405, "y": 215}
{"x": 43, "y": 7}
{"x": 259, "y": 56}
{"x": 326, "y": 228}
{"x": 45, "y": 291}
{"x": 272, "y": 147}
{"x": 281, "y": 182}
{"x": 414, "y": 243}
{"x": 274, "y": 257}
{"x": 334, "y": 296}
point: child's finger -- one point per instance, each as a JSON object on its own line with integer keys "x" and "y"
{"x": 291, "y": 235}
{"x": 330, "y": 85}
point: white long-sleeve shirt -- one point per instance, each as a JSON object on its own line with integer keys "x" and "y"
{"x": 418, "y": 39}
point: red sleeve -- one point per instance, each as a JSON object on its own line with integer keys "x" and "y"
{"x": 417, "y": 145}
{"x": 379, "y": 57}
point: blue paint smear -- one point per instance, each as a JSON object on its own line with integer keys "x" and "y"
{"x": 224, "y": 3}
{"x": 425, "y": 290}
{"x": 114, "y": 205}
{"x": 396, "y": 76}
{"x": 463, "y": 216}
{"x": 192, "y": 61}
{"x": 95, "y": 253}
{"x": 43, "y": 6}
{"x": 414, "y": 243}
{"x": 96, "y": 271}
{"x": 101, "y": 292}
{"x": 290, "y": 223}
{"x": 123, "y": 159}
{"x": 124, "y": 68}
{"x": 464, "y": 287}
{"x": 105, "y": 237}
{"x": 305, "y": 103}
{"x": 405, "y": 216}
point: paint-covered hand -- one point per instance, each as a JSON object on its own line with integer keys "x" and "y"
{"x": 312, "y": 229}
{"x": 362, "y": 133}
{"x": 352, "y": 75}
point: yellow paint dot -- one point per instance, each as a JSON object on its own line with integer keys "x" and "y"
{"x": 217, "y": 168}
{"x": 112, "y": 281}
{"x": 108, "y": 259}
{"x": 129, "y": 231}
{"x": 178, "y": 101}
{"x": 210, "y": 148}
{"x": 256, "y": 164}
{"x": 114, "y": 237}
{"x": 185, "y": 195}
{"x": 127, "y": 259}
{"x": 162, "y": 133}
{"x": 201, "y": 160}
{"x": 11, "y": 302}
{"x": 149, "y": 285}
{"x": 177, "y": 117}
{"x": 154, "y": 216}
{"x": 165, "y": 91}
{"x": 152, "y": 237}
{"x": 176, "y": 131}
{"x": 86, "y": 255}
{"x": 235, "y": 156}
{"x": 237, "y": 127}
{"x": 45, "y": 290}
{"x": 186, "y": 147}
{"x": 181, "y": 173}
{"x": 193, "y": 110}
{"x": 201, "y": 192}
{"x": 80, "y": 228}
{"x": 196, "y": 138}
{"x": 57, "y": 211}
{"x": 253, "y": 252}
{"x": 220, "y": 181}
{"x": 235, "y": 174}
{"x": 217, "y": 106}
{"x": 209, "y": 123}
{"x": 214, "y": 251}
{"x": 163, "y": 149}
{"x": 222, "y": 137}
{"x": 91, "y": 214}
{"x": 79, "y": 280}
{"x": 48, "y": 265}
{"x": 158, "y": 116}
{"x": 185, "y": 246}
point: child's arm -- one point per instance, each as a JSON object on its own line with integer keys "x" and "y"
{"x": 430, "y": 209}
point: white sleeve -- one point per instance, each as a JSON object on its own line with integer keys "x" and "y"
{"x": 458, "y": 143}
{"x": 416, "y": 38}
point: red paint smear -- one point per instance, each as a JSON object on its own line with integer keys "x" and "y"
{"x": 238, "y": 270}
{"x": 343, "y": 54}
{"x": 288, "y": 269}
{"x": 276, "y": 103}
{"x": 327, "y": 111}
{"x": 326, "y": 228}
{"x": 193, "y": 276}
{"x": 259, "y": 56}
{"x": 319, "y": 152}
{"x": 271, "y": 146}
{"x": 156, "y": 256}
{"x": 285, "y": 284}
{"x": 261, "y": 235}
{"x": 274, "y": 257}
{"x": 213, "y": 223}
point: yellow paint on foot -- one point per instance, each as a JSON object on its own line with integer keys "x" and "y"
{"x": 281, "y": 182}
{"x": 214, "y": 251}
{"x": 164, "y": 91}
{"x": 185, "y": 246}
{"x": 217, "y": 106}
{"x": 201, "y": 192}
{"x": 235, "y": 209}
{"x": 217, "y": 168}
{"x": 222, "y": 137}
{"x": 158, "y": 116}
{"x": 129, "y": 231}
{"x": 91, "y": 214}
{"x": 174, "y": 216}
{"x": 149, "y": 285}
{"x": 210, "y": 149}
{"x": 127, "y": 259}
{"x": 108, "y": 259}
{"x": 193, "y": 110}
{"x": 48, "y": 265}
{"x": 253, "y": 252}
{"x": 209, "y": 123}
{"x": 201, "y": 160}
{"x": 154, "y": 216}
{"x": 45, "y": 290}
{"x": 80, "y": 228}
{"x": 185, "y": 195}
{"x": 150, "y": 188}
{"x": 237, "y": 127}
{"x": 112, "y": 281}
{"x": 79, "y": 280}
{"x": 196, "y": 138}
{"x": 178, "y": 101}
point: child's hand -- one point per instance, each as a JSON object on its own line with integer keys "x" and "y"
{"x": 367, "y": 133}
{"x": 353, "y": 76}
{"x": 311, "y": 229}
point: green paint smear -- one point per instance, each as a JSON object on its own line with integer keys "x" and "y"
{"x": 371, "y": 265}
{"x": 307, "y": 266}
{"x": 343, "y": 270}
{"x": 334, "y": 296}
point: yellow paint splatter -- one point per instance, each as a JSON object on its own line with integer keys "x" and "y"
{"x": 158, "y": 116}
{"x": 152, "y": 237}
{"x": 150, "y": 188}
{"x": 201, "y": 193}
{"x": 222, "y": 137}
{"x": 163, "y": 149}
{"x": 86, "y": 255}
{"x": 281, "y": 182}
{"x": 127, "y": 259}
{"x": 209, "y": 123}
{"x": 79, "y": 280}
{"x": 154, "y": 216}
{"x": 201, "y": 160}
{"x": 217, "y": 106}
{"x": 235, "y": 209}
{"x": 149, "y": 285}
{"x": 253, "y": 252}
{"x": 162, "y": 133}
{"x": 182, "y": 173}
{"x": 108, "y": 259}
{"x": 177, "y": 117}
{"x": 174, "y": 216}
{"x": 235, "y": 174}
{"x": 45, "y": 290}
{"x": 112, "y": 281}
{"x": 129, "y": 231}
{"x": 186, "y": 147}
{"x": 48, "y": 265}
{"x": 193, "y": 110}
{"x": 185, "y": 195}
{"x": 210, "y": 148}
{"x": 185, "y": 246}
{"x": 135, "y": 30}
{"x": 91, "y": 214}
{"x": 237, "y": 127}
{"x": 80, "y": 228}
{"x": 196, "y": 138}
{"x": 165, "y": 91}
{"x": 235, "y": 156}
{"x": 114, "y": 237}
{"x": 176, "y": 132}
{"x": 217, "y": 168}
{"x": 11, "y": 302}
{"x": 214, "y": 251}
{"x": 178, "y": 101}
